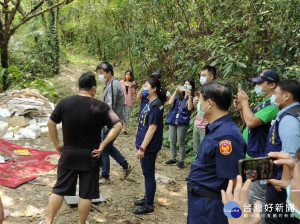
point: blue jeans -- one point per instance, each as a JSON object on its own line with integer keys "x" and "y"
{"x": 148, "y": 168}
{"x": 110, "y": 150}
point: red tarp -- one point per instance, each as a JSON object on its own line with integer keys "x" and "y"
{"x": 21, "y": 169}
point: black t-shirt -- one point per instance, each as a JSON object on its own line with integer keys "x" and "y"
{"x": 82, "y": 120}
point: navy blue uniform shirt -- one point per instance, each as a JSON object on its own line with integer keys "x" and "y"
{"x": 217, "y": 160}
{"x": 151, "y": 114}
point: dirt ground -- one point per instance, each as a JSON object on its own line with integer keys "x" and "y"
{"x": 28, "y": 202}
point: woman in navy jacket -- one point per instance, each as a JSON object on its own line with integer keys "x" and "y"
{"x": 149, "y": 140}
{"x": 178, "y": 120}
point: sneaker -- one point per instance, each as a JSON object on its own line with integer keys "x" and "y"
{"x": 140, "y": 202}
{"x": 103, "y": 180}
{"x": 127, "y": 171}
{"x": 180, "y": 165}
{"x": 170, "y": 162}
{"x": 144, "y": 209}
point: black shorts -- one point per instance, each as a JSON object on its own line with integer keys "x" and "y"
{"x": 67, "y": 180}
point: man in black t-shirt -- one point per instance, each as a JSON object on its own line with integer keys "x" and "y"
{"x": 82, "y": 119}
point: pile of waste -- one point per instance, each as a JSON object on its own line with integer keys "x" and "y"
{"x": 23, "y": 114}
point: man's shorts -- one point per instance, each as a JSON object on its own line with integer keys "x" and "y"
{"x": 67, "y": 180}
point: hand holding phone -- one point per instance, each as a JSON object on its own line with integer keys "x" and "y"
{"x": 258, "y": 168}
{"x": 182, "y": 88}
{"x": 240, "y": 86}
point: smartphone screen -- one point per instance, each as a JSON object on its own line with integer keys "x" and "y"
{"x": 258, "y": 168}
{"x": 182, "y": 88}
{"x": 240, "y": 86}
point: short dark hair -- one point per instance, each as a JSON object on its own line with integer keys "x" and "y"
{"x": 219, "y": 92}
{"x": 156, "y": 75}
{"x": 210, "y": 69}
{"x": 107, "y": 67}
{"x": 87, "y": 81}
{"x": 292, "y": 87}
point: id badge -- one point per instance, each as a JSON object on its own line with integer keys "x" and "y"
{"x": 177, "y": 116}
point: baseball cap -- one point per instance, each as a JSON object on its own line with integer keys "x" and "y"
{"x": 156, "y": 75}
{"x": 267, "y": 75}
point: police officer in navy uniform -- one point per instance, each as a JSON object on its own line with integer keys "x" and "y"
{"x": 284, "y": 136}
{"x": 217, "y": 160}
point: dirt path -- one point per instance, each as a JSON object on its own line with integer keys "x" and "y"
{"x": 28, "y": 202}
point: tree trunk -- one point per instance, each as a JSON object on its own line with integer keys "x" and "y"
{"x": 99, "y": 47}
{"x": 4, "y": 63}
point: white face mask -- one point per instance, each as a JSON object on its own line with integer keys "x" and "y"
{"x": 101, "y": 77}
{"x": 274, "y": 103}
{"x": 258, "y": 90}
{"x": 189, "y": 87}
{"x": 202, "y": 80}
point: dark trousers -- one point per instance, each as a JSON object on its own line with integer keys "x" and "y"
{"x": 273, "y": 198}
{"x": 204, "y": 210}
{"x": 148, "y": 168}
{"x": 110, "y": 150}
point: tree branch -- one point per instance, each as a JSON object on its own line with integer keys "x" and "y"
{"x": 20, "y": 8}
{"x": 12, "y": 15}
{"x": 24, "y": 20}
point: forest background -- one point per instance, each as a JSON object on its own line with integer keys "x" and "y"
{"x": 177, "y": 37}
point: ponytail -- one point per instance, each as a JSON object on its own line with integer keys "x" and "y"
{"x": 160, "y": 91}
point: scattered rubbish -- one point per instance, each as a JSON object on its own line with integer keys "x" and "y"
{"x": 22, "y": 152}
{"x": 53, "y": 159}
{"x": 20, "y": 121}
{"x": 2, "y": 160}
{"x": 26, "y": 112}
{"x": 3, "y": 128}
{"x": 163, "y": 179}
{"x": 6, "y": 212}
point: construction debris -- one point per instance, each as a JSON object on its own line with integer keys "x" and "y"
{"x": 26, "y": 112}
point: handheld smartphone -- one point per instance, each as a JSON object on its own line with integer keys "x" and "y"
{"x": 182, "y": 88}
{"x": 258, "y": 168}
{"x": 240, "y": 86}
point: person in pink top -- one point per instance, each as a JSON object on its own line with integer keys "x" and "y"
{"x": 208, "y": 73}
{"x": 129, "y": 88}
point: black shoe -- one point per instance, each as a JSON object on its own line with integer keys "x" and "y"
{"x": 143, "y": 210}
{"x": 170, "y": 162}
{"x": 140, "y": 202}
{"x": 180, "y": 165}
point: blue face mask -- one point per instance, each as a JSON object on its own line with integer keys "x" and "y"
{"x": 101, "y": 78}
{"x": 145, "y": 92}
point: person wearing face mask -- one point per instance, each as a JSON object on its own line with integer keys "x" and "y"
{"x": 178, "y": 119}
{"x": 284, "y": 136}
{"x": 258, "y": 122}
{"x": 217, "y": 159}
{"x": 144, "y": 100}
{"x": 208, "y": 73}
{"x": 149, "y": 140}
{"x": 128, "y": 86}
{"x": 114, "y": 97}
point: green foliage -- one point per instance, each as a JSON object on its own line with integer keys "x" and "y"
{"x": 13, "y": 75}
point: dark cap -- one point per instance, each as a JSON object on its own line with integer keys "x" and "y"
{"x": 156, "y": 75}
{"x": 267, "y": 75}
